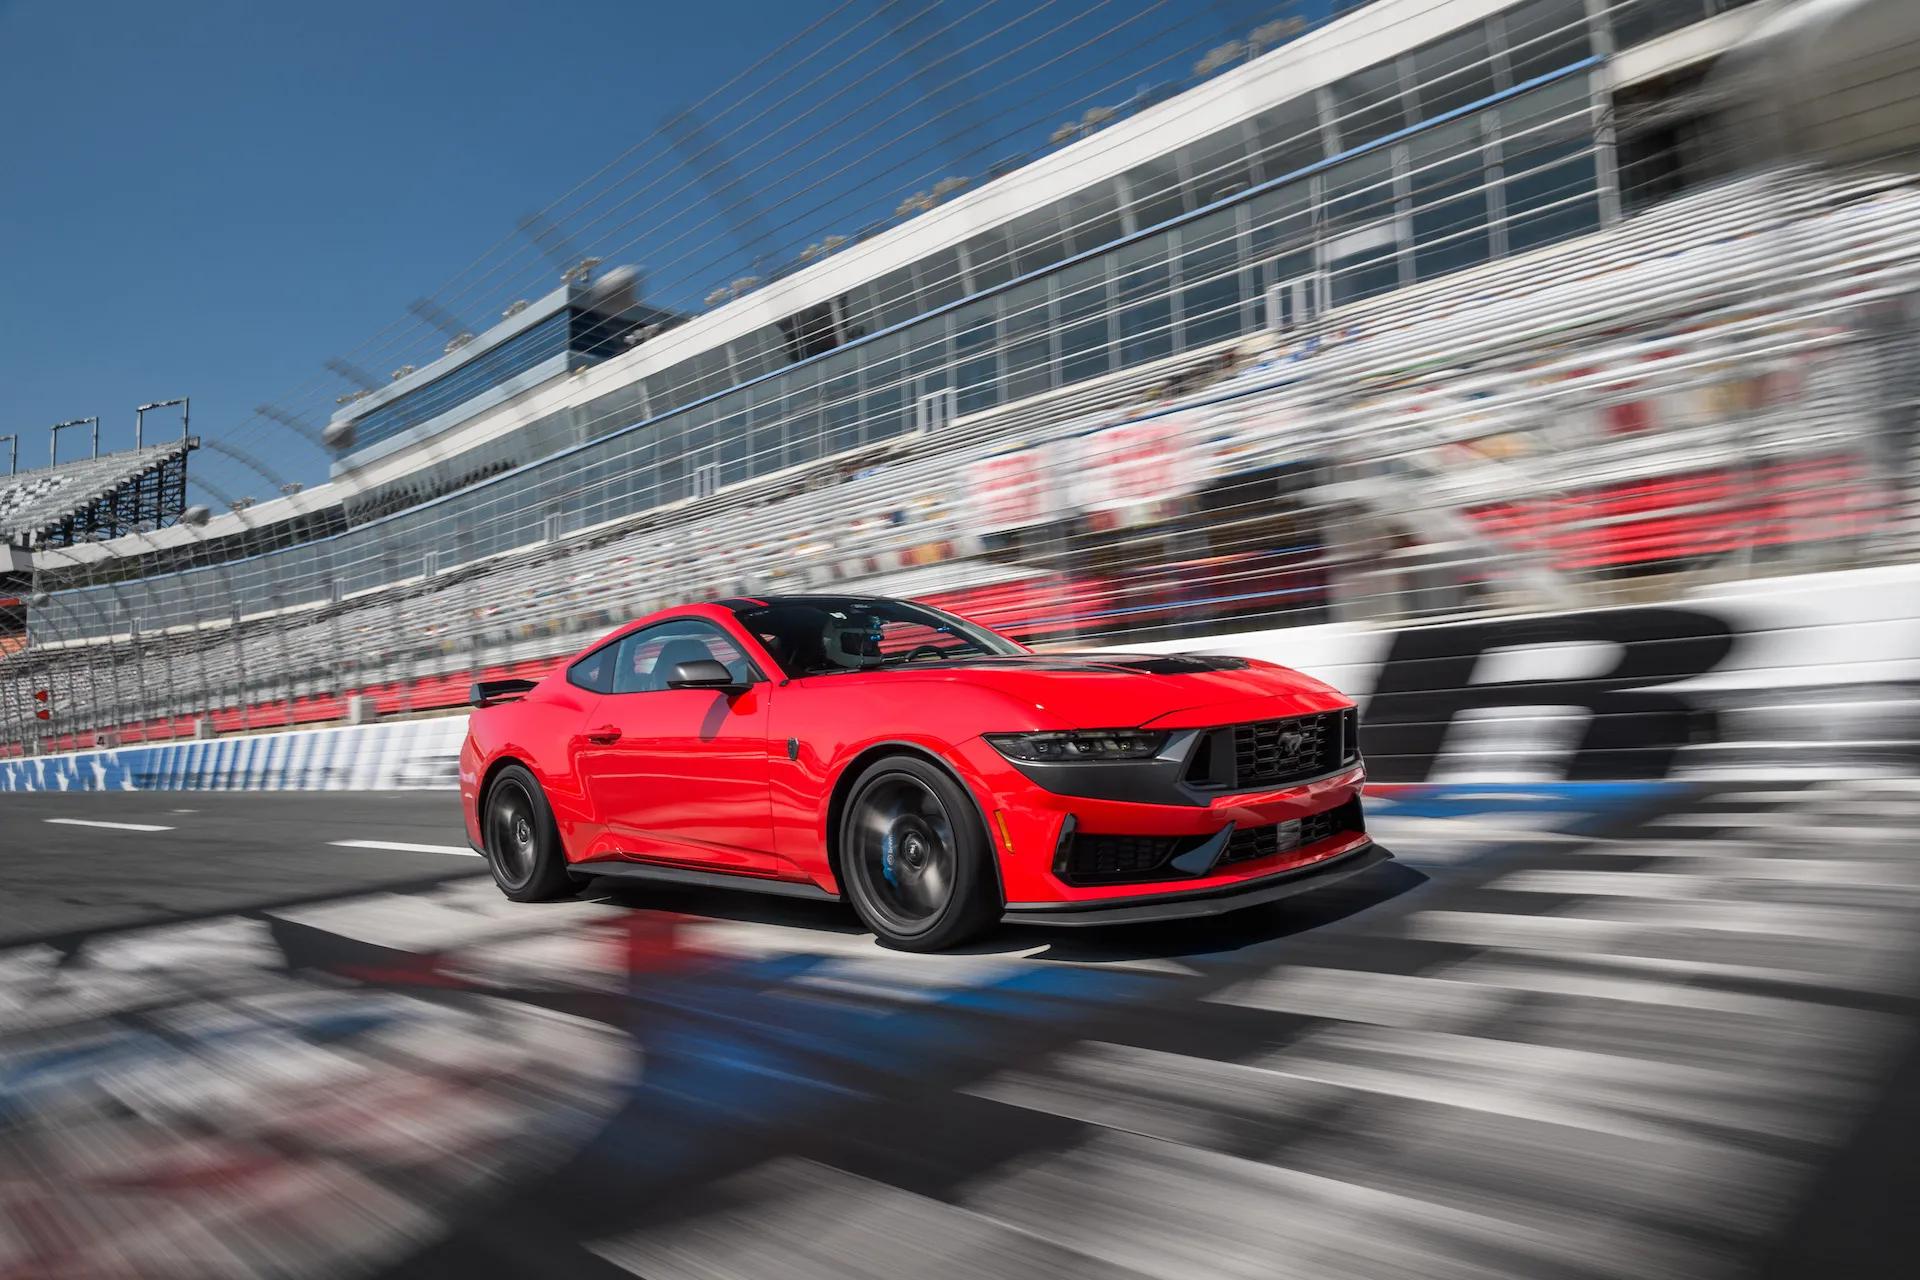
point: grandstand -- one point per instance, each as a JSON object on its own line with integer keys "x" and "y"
{"x": 101, "y": 497}
{"x": 1274, "y": 349}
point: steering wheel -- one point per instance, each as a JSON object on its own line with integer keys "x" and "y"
{"x": 913, "y": 654}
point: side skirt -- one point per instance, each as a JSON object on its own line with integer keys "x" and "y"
{"x": 656, "y": 874}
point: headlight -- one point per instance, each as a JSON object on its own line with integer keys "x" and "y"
{"x": 1080, "y": 744}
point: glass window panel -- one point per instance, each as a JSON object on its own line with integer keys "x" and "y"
{"x": 978, "y": 383}
{"x": 1029, "y": 367}
{"x": 989, "y": 260}
{"x": 656, "y": 385}
{"x": 1547, "y": 117}
{"x": 884, "y": 353}
{"x": 887, "y": 414}
{"x": 1023, "y": 310}
{"x": 939, "y": 279}
{"x": 1217, "y": 165}
{"x": 1083, "y": 350}
{"x": 1551, "y": 203}
{"x": 884, "y": 403}
{"x": 1037, "y": 239}
{"x": 1210, "y": 246}
{"x": 926, "y": 346}
{"x": 894, "y": 296}
{"x": 1364, "y": 274}
{"x": 1141, "y": 268}
{"x": 733, "y": 438}
{"x": 1637, "y": 21}
{"x": 715, "y": 371}
{"x": 1448, "y": 175}
{"x": 1367, "y": 105}
{"x": 1281, "y": 218}
{"x": 1093, "y": 218}
{"x": 1543, "y": 36}
{"x": 974, "y": 328}
{"x": 801, "y": 439}
{"x": 670, "y": 465}
{"x": 1080, "y": 291}
{"x": 1146, "y": 331}
{"x": 840, "y": 397}
{"x": 696, "y": 432}
{"x": 618, "y": 408}
{"x": 766, "y": 425}
{"x": 809, "y": 333}
{"x": 1155, "y": 193}
{"x": 1359, "y": 191}
{"x": 1452, "y": 73}
{"x": 977, "y": 369}
{"x": 1287, "y": 138}
{"x": 859, "y": 311}
{"x": 1210, "y": 312}
{"x": 747, "y": 355}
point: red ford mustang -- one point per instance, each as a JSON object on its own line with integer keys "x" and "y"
{"x": 937, "y": 775}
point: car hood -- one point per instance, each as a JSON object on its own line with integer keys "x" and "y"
{"x": 1125, "y": 690}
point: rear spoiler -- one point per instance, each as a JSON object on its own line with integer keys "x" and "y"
{"x": 487, "y": 692}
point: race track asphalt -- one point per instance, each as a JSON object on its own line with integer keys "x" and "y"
{"x": 217, "y": 852}
{"x": 1664, "y": 1031}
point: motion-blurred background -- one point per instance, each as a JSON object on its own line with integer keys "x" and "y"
{"x": 1545, "y": 374}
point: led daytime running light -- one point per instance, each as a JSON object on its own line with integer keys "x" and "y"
{"x": 1080, "y": 744}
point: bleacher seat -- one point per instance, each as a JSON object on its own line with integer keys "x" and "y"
{"x": 32, "y": 501}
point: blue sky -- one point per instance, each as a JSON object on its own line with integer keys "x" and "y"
{"x": 212, "y": 197}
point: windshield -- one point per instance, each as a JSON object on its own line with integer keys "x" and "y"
{"x": 826, "y": 634}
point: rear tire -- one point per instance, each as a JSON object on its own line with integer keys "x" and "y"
{"x": 522, "y": 840}
{"x": 914, "y": 857}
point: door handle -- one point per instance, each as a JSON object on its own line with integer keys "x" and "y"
{"x": 604, "y": 734}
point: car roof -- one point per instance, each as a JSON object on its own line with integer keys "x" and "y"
{"x": 740, "y": 604}
{"x": 715, "y": 610}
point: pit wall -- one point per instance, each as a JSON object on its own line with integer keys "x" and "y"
{"x": 1811, "y": 676}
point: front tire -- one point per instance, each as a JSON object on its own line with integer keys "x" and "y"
{"x": 522, "y": 840}
{"x": 914, "y": 857}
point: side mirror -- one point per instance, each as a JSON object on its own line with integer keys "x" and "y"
{"x": 704, "y": 673}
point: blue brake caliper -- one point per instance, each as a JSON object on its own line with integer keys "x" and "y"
{"x": 886, "y": 859}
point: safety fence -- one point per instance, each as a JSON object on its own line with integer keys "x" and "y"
{"x": 1817, "y": 675}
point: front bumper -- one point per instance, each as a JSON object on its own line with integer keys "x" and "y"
{"x": 1028, "y": 824}
{"x": 1214, "y": 901}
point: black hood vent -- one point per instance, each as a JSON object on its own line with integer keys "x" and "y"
{"x": 1143, "y": 664}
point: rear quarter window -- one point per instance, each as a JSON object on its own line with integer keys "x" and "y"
{"x": 595, "y": 671}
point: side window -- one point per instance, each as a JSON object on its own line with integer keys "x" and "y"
{"x": 595, "y": 671}
{"x": 644, "y": 660}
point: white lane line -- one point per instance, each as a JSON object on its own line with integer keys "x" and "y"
{"x": 401, "y": 846}
{"x": 113, "y": 826}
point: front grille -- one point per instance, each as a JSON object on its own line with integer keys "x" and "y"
{"x": 1275, "y": 752}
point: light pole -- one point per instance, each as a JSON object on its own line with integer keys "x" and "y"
{"x": 53, "y": 436}
{"x": 139, "y": 416}
{"x": 13, "y": 461}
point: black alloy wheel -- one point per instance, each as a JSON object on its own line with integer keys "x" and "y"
{"x": 522, "y": 842}
{"x": 913, "y": 854}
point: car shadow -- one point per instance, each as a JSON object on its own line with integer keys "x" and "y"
{"x": 1171, "y": 940}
